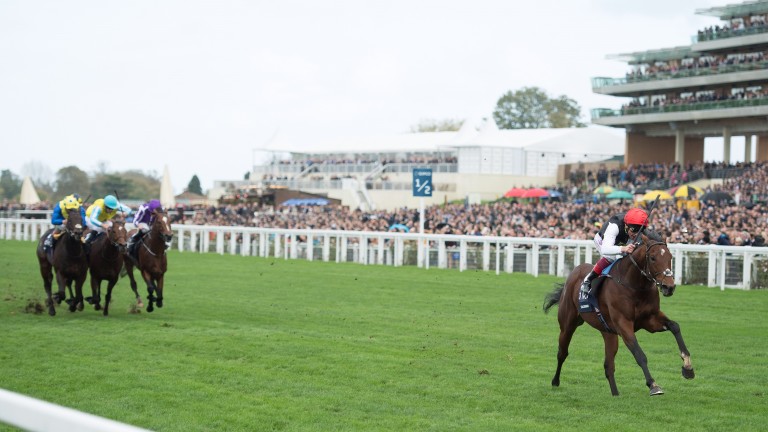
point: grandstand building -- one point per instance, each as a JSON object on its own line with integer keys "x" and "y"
{"x": 716, "y": 87}
{"x": 473, "y": 164}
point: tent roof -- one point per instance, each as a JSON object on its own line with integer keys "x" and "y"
{"x": 166, "y": 190}
{"x": 28, "y": 193}
{"x": 187, "y": 195}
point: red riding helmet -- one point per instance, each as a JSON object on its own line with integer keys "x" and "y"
{"x": 636, "y": 216}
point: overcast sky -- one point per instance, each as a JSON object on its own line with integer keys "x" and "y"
{"x": 197, "y": 85}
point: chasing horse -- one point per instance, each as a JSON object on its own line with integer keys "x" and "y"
{"x": 60, "y": 252}
{"x": 105, "y": 261}
{"x": 148, "y": 254}
{"x": 622, "y": 299}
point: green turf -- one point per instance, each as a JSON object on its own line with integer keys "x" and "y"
{"x": 247, "y": 344}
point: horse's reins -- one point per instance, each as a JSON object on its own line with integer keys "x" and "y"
{"x": 72, "y": 234}
{"x": 149, "y": 237}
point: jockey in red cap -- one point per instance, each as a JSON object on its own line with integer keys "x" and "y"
{"x": 615, "y": 238}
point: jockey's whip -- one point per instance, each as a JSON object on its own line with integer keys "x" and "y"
{"x": 651, "y": 208}
{"x": 120, "y": 207}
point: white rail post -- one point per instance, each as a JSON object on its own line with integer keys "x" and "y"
{"x": 678, "y": 267}
{"x": 747, "y": 271}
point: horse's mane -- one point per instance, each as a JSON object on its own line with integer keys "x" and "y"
{"x": 653, "y": 235}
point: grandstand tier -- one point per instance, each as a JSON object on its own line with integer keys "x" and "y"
{"x": 716, "y": 87}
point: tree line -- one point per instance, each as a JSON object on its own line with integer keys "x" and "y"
{"x": 131, "y": 184}
{"x": 526, "y": 108}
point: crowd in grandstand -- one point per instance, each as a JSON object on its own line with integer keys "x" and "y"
{"x": 737, "y": 26}
{"x": 636, "y": 105}
{"x": 743, "y": 222}
{"x": 702, "y": 65}
{"x": 570, "y": 218}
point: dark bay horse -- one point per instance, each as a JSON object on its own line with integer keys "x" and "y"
{"x": 105, "y": 261}
{"x": 151, "y": 259}
{"x": 628, "y": 301}
{"x": 67, "y": 261}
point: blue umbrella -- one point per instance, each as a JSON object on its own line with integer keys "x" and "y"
{"x": 553, "y": 193}
{"x": 399, "y": 226}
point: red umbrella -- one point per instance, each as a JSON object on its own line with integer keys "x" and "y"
{"x": 535, "y": 193}
{"x": 515, "y": 192}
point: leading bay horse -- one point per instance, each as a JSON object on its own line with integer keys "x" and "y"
{"x": 67, "y": 261}
{"x": 628, "y": 301}
{"x": 150, "y": 258}
{"x": 105, "y": 261}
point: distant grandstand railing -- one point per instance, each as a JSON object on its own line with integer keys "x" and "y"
{"x": 703, "y": 36}
{"x": 601, "y": 82}
{"x": 290, "y": 170}
{"x": 711, "y": 265}
{"x": 338, "y": 184}
{"x": 392, "y": 185}
{"x": 598, "y": 113}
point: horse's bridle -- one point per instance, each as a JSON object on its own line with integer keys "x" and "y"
{"x": 73, "y": 235}
{"x": 149, "y": 237}
{"x": 114, "y": 243}
{"x": 646, "y": 271}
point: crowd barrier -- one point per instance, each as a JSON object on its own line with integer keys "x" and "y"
{"x": 739, "y": 267}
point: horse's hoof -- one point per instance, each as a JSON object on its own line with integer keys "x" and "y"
{"x": 656, "y": 390}
{"x": 688, "y": 373}
{"x": 97, "y": 306}
{"x": 159, "y": 303}
{"x": 52, "y": 312}
{"x": 150, "y": 308}
{"x": 89, "y": 300}
{"x": 555, "y": 383}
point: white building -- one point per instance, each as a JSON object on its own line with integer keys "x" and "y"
{"x": 478, "y": 163}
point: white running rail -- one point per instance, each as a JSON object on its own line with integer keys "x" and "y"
{"x": 39, "y": 416}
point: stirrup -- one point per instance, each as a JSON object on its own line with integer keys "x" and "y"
{"x": 586, "y": 287}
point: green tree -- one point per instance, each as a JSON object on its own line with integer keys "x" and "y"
{"x": 194, "y": 185}
{"x": 532, "y": 108}
{"x": 432, "y": 125}
{"x": 72, "y": 179}
{"x": 143, "y": 186}
{"x": 109, "y": 184}
{"x": 10, "y": 185}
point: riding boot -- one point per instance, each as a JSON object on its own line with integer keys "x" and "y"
{"x": 133, "y": 241}
{"x": 87, "y": 242}
{"x": 586, "y": 285}
{"x": 48, "y": 243}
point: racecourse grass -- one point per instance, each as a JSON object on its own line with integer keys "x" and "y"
{"x": 250, "y": 344}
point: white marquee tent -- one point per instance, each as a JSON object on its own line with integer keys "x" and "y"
{"x": 166, "y": 190}
{"x": 28, "y": 193}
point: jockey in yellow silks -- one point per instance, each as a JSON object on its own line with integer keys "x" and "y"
{"x": 99, "y": 215}
{"x": 60, "y": 215}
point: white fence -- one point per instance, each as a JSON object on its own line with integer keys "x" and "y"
{"x": 710, "y": 265}
{"x": 35, "y": 415}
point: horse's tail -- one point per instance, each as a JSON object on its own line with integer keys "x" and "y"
{"x": 553, "y": 298}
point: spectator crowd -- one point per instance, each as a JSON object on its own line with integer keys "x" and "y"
{"x": 743, "y": 222}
